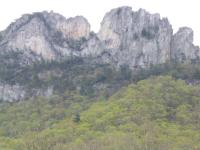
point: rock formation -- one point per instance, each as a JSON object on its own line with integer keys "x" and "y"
{"x": 11, "y": 93}
{"x": 126, "y": 37}
{"x": 46, "y": 36}
{"x": 136, "y": 39}
{"x": 183, "y": 49}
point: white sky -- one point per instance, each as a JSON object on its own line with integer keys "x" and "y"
{"x": 179, "y": 12}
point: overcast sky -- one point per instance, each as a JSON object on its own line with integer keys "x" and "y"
{"x": 179, "y": 12}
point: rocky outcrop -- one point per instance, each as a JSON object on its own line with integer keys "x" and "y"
{"x": 75, "y": 28}
{"x": 13, "y": 93}
{"x": 46, "y": 36}
{"x": 136, "y": 39}
{"x": 183, "y": 49}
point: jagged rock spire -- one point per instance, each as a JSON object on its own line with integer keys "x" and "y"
{"x": 126, "y": 37}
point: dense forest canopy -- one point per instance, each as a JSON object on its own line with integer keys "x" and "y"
{"x": 156, "y": 113}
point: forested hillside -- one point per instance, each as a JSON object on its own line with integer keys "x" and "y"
{"x": 158, "y": 113}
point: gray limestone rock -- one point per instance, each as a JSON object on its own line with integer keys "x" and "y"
{"x": 183, "y": 49}
{"x": 136, "y": 39}
{"x": 11, "y": 93}
{"x": 44, "y": 36}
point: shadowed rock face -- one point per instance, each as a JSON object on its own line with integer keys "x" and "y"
{"x": 136, "y": 39}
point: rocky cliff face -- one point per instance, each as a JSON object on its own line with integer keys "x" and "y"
{"x": 44, "y": 36}
{"x": 136, "y": 39}
{"x": 183, "y": 49}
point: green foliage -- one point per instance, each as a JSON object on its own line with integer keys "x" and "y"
{"x": 76, "y": 118}
{"x": 157, "y": 113}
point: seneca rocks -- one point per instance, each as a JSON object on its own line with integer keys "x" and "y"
{"x": 136, "y": 39}
{"x": 126, "y": 37}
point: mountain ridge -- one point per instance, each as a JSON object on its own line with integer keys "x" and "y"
{"x": 126, "y": 39}
{"x": 51, "y": 36}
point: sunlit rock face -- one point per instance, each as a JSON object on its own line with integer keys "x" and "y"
{"x": 137, "y": 39}
{"x": 74, "y": 28}
{"x": 183, "y": 49}
{"x": 44, "y": 36}
{"x": 31, "y": 37}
